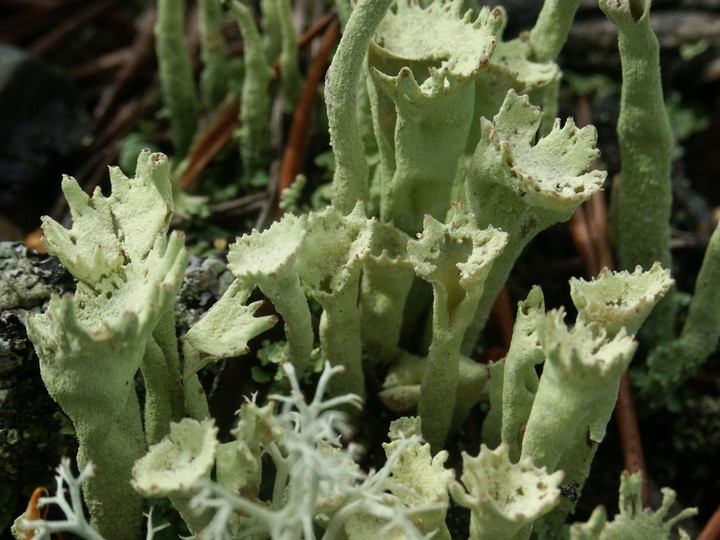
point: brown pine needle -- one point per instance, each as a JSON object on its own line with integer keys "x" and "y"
{"x": 210, "y": 143}
{"x": 504, "y": 317}
{"x": 711, "y": 531}
{"x": 315, "y": 30}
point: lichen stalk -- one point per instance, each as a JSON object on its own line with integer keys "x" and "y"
{"x": 520, "y": 380}
{"x": 108, "y": 494}
{"x": 289, "y": 66}
{"x": 670, "y": 364}
{"x": 386, "y": 281}
{"x": 350, "y": 181}
{"x": 340, "y": 340}
{"x": 286, "y": 294}
{"x": 256, "y": 99}
{"x": 213, "y": 52}
{"x": 642, "y": 196}
{"x": 551, "y": 28}
{"x": 438, "y": 389}
{"x": 176, "y": 75}
{"x": 159, "y": 396}
{"x": 165, "y": 337}
{"x": 433, "y": 123}
{"x": 455, "y": 259}
{"x": 577, "y": 390}
{"x": 385, "y": 286}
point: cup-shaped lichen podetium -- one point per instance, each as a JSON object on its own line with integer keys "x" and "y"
{"x": 511, "y": 66}
{"x": 620, "y": 299}
{"x": 90, "y": 348}
{"x": 108, "y": 232}
{"x": 505, "y": 498}
{"x": 173, "y": 467}
{"x": 422, "y": 37}
{"x": 423, "y": 61}
{"x": 329, "y": 263}
{"x": 577, "y": 390}
{"x": 268, "y": 259}
{"x": 522, "y": 186}
{"x": 386, "y": 280}
{"x": 575, "y": 399}
{"x": 455, "y": 259}
{"x": 91, "y": 345}
{"x": 422, "y": 479}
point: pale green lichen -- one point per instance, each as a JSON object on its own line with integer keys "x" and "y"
{"x": 108, "y": 230}
{"x": 620, "y": 299}
{"x": 350, "y": 181}
{"x": 426, "y": 74}
{"x": 180, "y": 460}
{"x": 387, "y": 278}
{"x": 91, "y": 345}
{"x": 551, "y": 29}
{"x": 176, "y": 74}
{"x": 176, "y": 464}
{"x": 268, "y": 260}
{"x": 578, "y": 388}
{"x": 633, "y": 521}
{"x": 514, "y": 381}
{"x": 640, "y": 226}
{"x": 425, "y": 96}
{"x": 575, "y": 398}
{"x": 428, "y": 35}
{"x": 214, "y": 78}
{"x": 421, "y": 477}
{"x": 671, "y": 363}
{"x": 255, "y": 106}
{"x": 330, "y": 265}
{"x": 289, "y": 61}
{"x": 504, "y": 497}
{"x": 522, "y": 187}
{"x": 227, "y": 327}
{"x": 455, "y": 259}
{"x": 513, "y": 66}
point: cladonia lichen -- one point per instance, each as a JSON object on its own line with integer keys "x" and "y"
{"x": 388, "y": 288}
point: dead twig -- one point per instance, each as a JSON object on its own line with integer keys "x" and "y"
{"x": 711, "y": 531}
{"x": 106, "y": 62}
{"x": 210, "y": 143}
{"x": 316, "y": 29}
{"x": 504, "y": 317}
